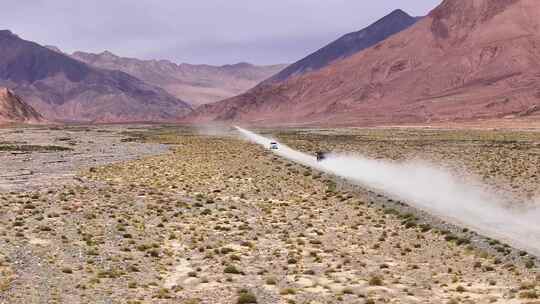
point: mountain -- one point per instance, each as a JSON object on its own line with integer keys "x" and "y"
{"x": 199, "y": 84}
{"x": 54, "y": 48}
{"x": 14, "y": 110}
{"x": 467, "y": 60}
{"x": 62, "y": 88}
{"x": 348, "y": 45}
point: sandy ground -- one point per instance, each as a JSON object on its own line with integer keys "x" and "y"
{"x": 219, "y": 220}
{"x": 32, "y": 167}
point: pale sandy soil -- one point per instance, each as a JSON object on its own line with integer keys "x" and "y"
{"x": 219, "y": 220}
{"x": 34, "y": 157}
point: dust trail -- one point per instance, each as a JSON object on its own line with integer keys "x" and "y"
{"x": 431, "y": 189}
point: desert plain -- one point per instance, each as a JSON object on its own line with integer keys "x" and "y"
{"x": 168, "y": 214}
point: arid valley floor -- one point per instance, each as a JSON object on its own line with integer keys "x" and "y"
{"x": 157, "y": 214}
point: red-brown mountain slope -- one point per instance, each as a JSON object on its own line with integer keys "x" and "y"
{"x": 466, "y": 60}
{"x": 14, "y": 110}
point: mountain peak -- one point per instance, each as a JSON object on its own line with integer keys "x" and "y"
{"x": 4, "y": 92}
{"x": 7, "y": 33}
{"x": 107, "y": 53}
{"x": 396, "y": 16}
{"x": 398, "y": 13}
{"x": 238, "y": 65}
{"x": 348, "y": 45}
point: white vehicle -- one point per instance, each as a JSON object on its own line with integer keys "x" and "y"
{"x": 274, "y": 146}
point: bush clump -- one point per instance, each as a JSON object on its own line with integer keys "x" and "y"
{"x": 246, "y": 297}
{"x": 232, "y": 270}
{"x": 375, "y": 281}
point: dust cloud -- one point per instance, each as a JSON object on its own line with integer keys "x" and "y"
{"x": 432, "y": 189}
{"x": 213, "y": 130}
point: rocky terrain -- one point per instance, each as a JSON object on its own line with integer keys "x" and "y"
{"x": 348, "y": 45}
{"x": 197, "y": 84}
{"x": 14, "y": 110}
{"x": 220, "y": 220}
{"x": 467, "y": 60}
{"x": 62, "y": 88}
{"x": 36, "y": 157}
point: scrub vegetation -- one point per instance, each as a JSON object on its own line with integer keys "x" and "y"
{"x": 219, "y": 220}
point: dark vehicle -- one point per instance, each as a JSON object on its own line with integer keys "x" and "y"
{"x": 320, "y": 156}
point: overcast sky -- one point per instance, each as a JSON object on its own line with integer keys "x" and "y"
{"x": 197, "y": 31}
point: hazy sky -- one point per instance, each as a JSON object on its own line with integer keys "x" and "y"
{"x": 197, "y": 31}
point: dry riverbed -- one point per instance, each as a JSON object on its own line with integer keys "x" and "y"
{"x": 219, "y": 220}
{"x": 35, "y": 157}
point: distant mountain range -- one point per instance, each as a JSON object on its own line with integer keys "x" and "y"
{"x": 197, "y": 84}
{"x": 466, "y": 60}
{"x": 65, "y": 89}
{"x": 348, "y": 45}
{"x": 14, "y": 110}
{"x": 101, "y": 88}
